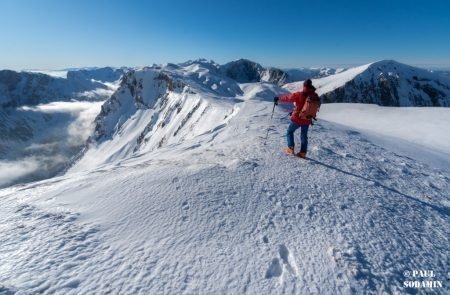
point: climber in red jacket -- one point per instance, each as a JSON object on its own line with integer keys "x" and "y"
{"x": 307, "y": 103}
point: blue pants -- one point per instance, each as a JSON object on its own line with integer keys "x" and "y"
{"x": 303, "y": 135}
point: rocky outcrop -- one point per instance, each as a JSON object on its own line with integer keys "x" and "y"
{"x": 246, "y": 71}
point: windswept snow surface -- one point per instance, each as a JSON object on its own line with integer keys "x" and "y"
{"x": 223, "y": 213}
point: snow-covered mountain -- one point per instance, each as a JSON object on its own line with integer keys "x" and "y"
{"x": 386, "y": 83}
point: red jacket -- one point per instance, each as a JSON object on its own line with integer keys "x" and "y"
{"x": 298, "y": 98}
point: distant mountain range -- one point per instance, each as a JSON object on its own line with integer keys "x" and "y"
{"x": 32, "y": 88}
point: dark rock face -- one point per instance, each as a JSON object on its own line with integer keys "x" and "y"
{"x": 276, "y": 76}
{"x": 130, "y": 96}
{"x": 243, "y": 71}
{"x": 246, "y": 71}
{"x": 18, "y": 89}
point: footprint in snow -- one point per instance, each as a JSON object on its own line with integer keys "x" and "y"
{"x": 285, "y": 256}
{"x": 275, "y": 269}
{"x": 277, "y": 265}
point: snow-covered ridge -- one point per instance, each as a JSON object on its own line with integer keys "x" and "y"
{"x": 160, "y": 106}
{"x": 386, "y": 83}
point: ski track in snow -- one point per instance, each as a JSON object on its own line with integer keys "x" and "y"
{"x": 226, "y": 214}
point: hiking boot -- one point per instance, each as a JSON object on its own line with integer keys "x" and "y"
{"x": 289, "y": 150}
{"x": 301, "y": 155}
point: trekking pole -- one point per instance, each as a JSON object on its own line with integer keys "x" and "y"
{"x": 267, "y": 134}
{"x": 310, "y": 130}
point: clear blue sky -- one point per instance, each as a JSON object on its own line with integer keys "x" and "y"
{"x": 54, "y": 34}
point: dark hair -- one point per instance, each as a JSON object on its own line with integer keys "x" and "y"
{"x": 308, "y": 83}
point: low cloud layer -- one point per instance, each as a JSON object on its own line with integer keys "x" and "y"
{"x": 12, "y": 171}
{"x": 60, "y": 130}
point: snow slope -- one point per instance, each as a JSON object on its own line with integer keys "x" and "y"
{"x": 222, "y": 213}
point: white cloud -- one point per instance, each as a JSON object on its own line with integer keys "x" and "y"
{"x": 72, "y": 107}
{"x": 12, "y": 171}
{"x": 54, "y": 142}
